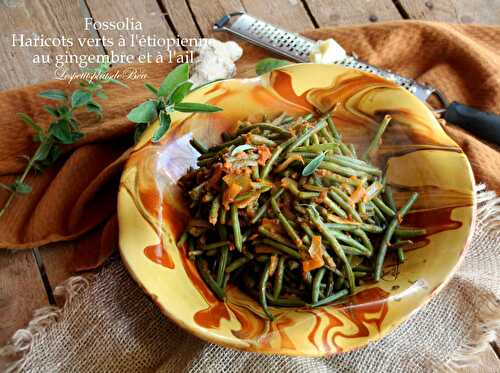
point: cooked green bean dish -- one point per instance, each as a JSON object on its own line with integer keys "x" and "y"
{"x": 290, "y": 214}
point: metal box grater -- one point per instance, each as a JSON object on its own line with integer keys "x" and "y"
{"x": 298, "y": 48}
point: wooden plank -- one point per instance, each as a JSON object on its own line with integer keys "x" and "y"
{"x": 349, "y": 12}
{"x": 33, "y": 17}
{"x": 147, "y": 12}
{"x": 21, "y": 291}
{"x": 288, "y": 14}
{"x": 461, "y": 11}
{"x": 179, "y": 14}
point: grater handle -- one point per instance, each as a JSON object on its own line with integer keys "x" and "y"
{"x": 481, "y": 123}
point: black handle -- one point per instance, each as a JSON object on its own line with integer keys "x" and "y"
{"x": 480, "y": 123}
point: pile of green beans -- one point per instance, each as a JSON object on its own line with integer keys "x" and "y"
{"x": 258, "y": 214}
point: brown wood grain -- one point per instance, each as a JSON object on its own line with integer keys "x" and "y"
{"x": 34, "y": 17}
{"x": 461, "y": 11}
{"x": 349, "y": 12}
{"x": 179, "y": 14}
{"x": 289, "y": 14}
{"x": 147, "y": 12}
{"x": 21, "y": 291}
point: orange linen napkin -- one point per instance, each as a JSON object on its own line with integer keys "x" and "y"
{"x": 76, "y": 198}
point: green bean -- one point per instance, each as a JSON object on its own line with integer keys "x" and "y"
{"x": 236, "y": 141}
{"x": 349, "y": 241}
{"x": 223, "y": 216}
{"x": 238, "y": 263}
{"x": 388, "y": 235}
{"x": 352, "y": 148}
{"x": 378, "y": 213}
{"x": 214, "y": 210}
{"x": 341, "y": 170}
{"x": 371, "y": 228}
{"x": 283, "y": 248}
{"x": 360, "y": 274}
{"x": 389, "y": 198}
{"x": 375, "y": 143}
{"x": 314, "y": 140}
{"x": 333, "y": 129}
{"x": 195, "y": 252}
{"x": 285, "y": 302}
{"x": 308, "y": 117}
{"x": 275, "y": 236}
{"x": 341, "y": 179}
{"x": 336, "y": 195}
{"x": 262, "y": 209}
{"x": 364, "y": 238}
{"x": 318, "y": 277}
{"x": 264, "y": 126}
{"x": 274, "y": 157}
{"x": 278, "y": 278}
{"x": 348, "y": 162}
{"x": 300, "y": 140}
{"x": 215, "y": 245}
{"x": 331, "y": 298}
{"x": 183, "y": 238}
{"x": 222, "y": 265}
{"x": 401, "y": 243}
{"x": 349, "y": 250}
{"x": 238, "y": 240}
{"x": 326, "y": 135}
{"x": 386, "y": 210}
{"x": 285, "y": 223}
{"x": 339, "y": 283}
{"x": 198, "y": 145}
{"x": 330, "y": 283}
{"x": 409, "y": 233}
{"x": 334, "y": 244}
{"x": 401, "y": 255}
{"x": 335, "y": 207}
{"x": 262, "y": 291}
{"x": 259, "y": 140}
{"x": 207, "y": 277}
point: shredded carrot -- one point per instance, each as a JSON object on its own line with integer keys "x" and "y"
{"x": 316, "y": 254}
{"x": 358, "y": 194}
{"x": 230, "y": 194}
{"x": 273, "y": 263}
{"x": 264, "y": 154}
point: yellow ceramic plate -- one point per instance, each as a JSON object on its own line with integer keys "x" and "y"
{"x": 416, "y": 152}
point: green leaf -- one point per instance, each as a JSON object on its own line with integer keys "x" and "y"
{"x": 163, "y": 128}
{"x": 241, "y": 148}
{"x": 180, "y": 92}
{"x": 19, "y": 187}
{"x": 30, "y": 122}
{"x": 43, "y": 151}
{"x": 193, "y": 107}
{"x": 93, "y": 107}
{"x": 173, "y": 79}
{"x": 268, "y": 64}
{"x": 144, "y": 113}
{"x": 101, "y": 95}
{"x": 115, "y": 81}
{"x": 80, "y": 98}
{"x": 313, "y": 165}
{"x": 61, "y": 131}
{"x": 151, "y": 89}
{"x": 139, "y": 130}
{"x": 51, "y": 110}
{"x": 53, "y": 94}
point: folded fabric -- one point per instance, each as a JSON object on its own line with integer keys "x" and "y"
{"x": 76, "y": 198}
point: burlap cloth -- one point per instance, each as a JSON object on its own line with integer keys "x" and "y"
{"x": 108, "y": 324}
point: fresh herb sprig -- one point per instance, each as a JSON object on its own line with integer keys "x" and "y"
{"x": 268, "y": 64}
{"x": 64, "y": 127}
{"x": 167, "y": 99}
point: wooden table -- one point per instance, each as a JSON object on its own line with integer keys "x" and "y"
{"x": 22, "y": 287}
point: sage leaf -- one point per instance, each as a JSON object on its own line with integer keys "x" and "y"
{"x": 30, "y": 122}
{"x": 313, "y": 165}
{"x": 43, "y": 151}
{"x": 268, "y": 64}
{"x": 80, "y": 98}
{"x": 61, "y": 131}
{"x": 151, "y": 89}
{"x": 20, "y": 187}
{"x": 93, "y": 107}
{"x": 144, "y": 113}
{"x": 180, "y": 92}
{"x": 53, "y": 94}
{"x": 163, "y": 128}
{"x": 193, "y": 107}
{"x": 51, "y": 110}
{"x": 173, "y": 79}
{"x": 241, "y": 148}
